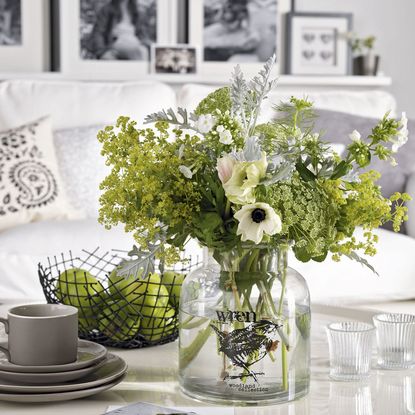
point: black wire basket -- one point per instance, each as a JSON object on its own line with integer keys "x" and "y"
{"x": 112, "y": 310}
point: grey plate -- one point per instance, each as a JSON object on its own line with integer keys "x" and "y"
{"x": 112, "y": 368}
{"x": 89, "y": 353}
{"x": 56, "y": 397}
{"x": 49, "y": 378}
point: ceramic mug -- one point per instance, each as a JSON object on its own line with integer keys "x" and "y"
{"x": 41, "y": 334}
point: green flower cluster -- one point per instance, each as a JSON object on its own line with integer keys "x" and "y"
{"x": 309, "y": 216}
{"x": 145, "y": 189}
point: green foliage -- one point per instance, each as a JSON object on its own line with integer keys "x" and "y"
{"x": 359, "y": 45}
{"x": 217, "y": 100}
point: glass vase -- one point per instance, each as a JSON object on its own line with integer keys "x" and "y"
{"x": 245, "y": 329}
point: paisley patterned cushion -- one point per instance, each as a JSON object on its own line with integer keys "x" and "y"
{"x": 30, "y": 187}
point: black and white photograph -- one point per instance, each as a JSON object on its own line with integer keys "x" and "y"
{"x": 240, "y": 30}
{"x": 117, "y": 29}
{"x": 318, "y": 44}
{"x": 10, "y": 23}
{"x": 179, "y": 59}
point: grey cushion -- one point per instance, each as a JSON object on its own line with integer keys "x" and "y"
{"x": 337, "y": 126}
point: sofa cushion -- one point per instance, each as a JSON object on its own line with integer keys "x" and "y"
{"x": 74, "y": 104}
{"x": 364, "y": 103}
{"x": 348, "y": 282}
{"x": 30, "y": 185}
{"x": 81, "y": 166}
{"x": 24, "y": 247}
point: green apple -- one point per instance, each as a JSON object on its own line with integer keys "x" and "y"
{"x": 86, "y": 324}
{"x": 117, "y": 282}
{"x": 117, "y": 323}
{"x": 158, "y": 326}
{"x": 77, "y": 287}
{"x": 173, "y": 282}
{"x": 148, "y": 292}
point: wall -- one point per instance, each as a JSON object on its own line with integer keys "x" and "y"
{"x": 392, "y": 22}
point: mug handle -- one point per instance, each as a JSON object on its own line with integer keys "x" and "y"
{"x": 6, "y": 326}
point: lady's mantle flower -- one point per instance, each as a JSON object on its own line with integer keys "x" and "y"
{"x": 205, "y": 123}
{"x": 186, "y": 172}
{"x": 246, "y": 175}
{"x": 225, "y": 136}
{"x": 402, "y": 136}
{"x": 355, "y": 136}
{"x": 225, "y": 168}
{"x": 255, "y": 220}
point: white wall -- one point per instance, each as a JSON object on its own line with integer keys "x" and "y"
{"x": 392, "y": 22}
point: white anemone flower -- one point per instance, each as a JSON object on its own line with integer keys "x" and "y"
{"x": 255, "y": 220}
{"x": 205, "y": 123}
{"x": 355, "y": 136}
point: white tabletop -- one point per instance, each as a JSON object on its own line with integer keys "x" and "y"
{"x": 152, "y": 377}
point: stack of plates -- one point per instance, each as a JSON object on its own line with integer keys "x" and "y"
{"x": 94, "y": 371}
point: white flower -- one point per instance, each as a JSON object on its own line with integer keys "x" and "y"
{"x": 246, "y": 175}
{"x": 255, "y": 220}
{"x": 186, "y": 172}
{"x": 205, "y": 123}
{"x": 224, "y": 167}
{"x": 402, "y": 136}
{"x": 225, "y": 137}
{"x": 355, "y": 136}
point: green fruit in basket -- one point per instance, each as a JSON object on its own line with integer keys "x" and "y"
{"x": 79, "y": 288}
{"x": 173, "y": 282}
{"x": 158, "y": 327}
{"x": 86, "y": 324}
{"x": 148, "y": 292}
{"x": 117, "y": 323}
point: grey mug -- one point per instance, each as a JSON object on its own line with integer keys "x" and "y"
{"x": 41, "y": 334}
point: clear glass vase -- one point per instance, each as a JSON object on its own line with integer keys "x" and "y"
{"x": 245, "y": 329}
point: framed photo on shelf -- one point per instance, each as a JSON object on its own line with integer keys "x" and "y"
{"x": 112, "y": 39}
{"x": 317, "y": 44}
{"x": 230, "y": 32}
{"x": 24, "y": 36}
{"x": 181, "y": 59}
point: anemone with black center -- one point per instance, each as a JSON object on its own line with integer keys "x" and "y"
{"x": 258, "y": 215}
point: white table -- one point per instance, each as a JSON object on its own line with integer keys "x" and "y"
{"x": 152, "y": 378}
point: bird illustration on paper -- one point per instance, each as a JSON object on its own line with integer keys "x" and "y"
{"x": 245, "y": 347}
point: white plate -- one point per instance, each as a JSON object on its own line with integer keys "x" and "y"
{"x": 56, "y": 397}
{"x": 111, "y": 369}
{"x": 89, "y": 353}
{"x": 48, "y": 378}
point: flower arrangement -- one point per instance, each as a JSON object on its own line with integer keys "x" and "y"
{"x": 220, "y": 177}
{"x": 242, "y": 188}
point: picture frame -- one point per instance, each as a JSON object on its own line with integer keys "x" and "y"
{"x": 258, "y": 38}
{"x": 24, "y": 36}
{"x": 317, "y": 44}
{"x": 174, "y": 60}
{"x": 126, "y": 60}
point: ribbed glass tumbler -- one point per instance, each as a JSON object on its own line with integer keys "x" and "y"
{"x": 350, "y": 346}
{"x": 395, "y": 340}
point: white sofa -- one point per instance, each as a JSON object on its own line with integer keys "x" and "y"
{"x": 74, "y": 104}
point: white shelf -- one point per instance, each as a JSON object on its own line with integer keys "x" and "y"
{"x": 283, "y": 80}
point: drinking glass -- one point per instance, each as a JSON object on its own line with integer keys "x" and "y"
{"x": 350, "y": 347}
{"x": 395, "y": 340}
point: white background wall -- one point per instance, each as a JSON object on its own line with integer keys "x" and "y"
{"x": 393, "y": 23}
